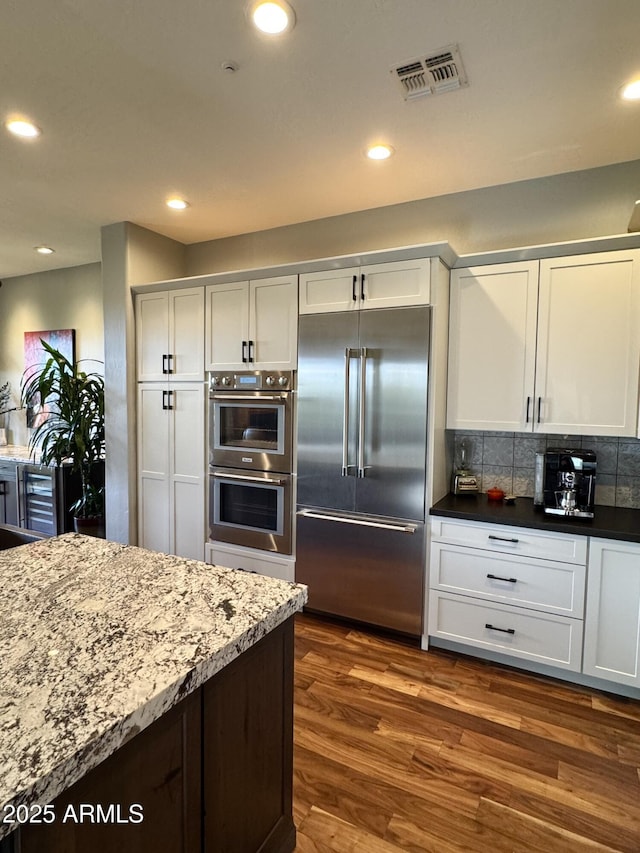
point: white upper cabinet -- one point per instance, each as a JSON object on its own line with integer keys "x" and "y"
{"x": 252, "y": 324}
{"x": 548, "y": 346}
{"x": 227, "y": 325}
{"x": 170, "y": 336}
{"x": 390, "y": 285}
{"x": 492, "y": 346}
{"x": 589, "y": 344}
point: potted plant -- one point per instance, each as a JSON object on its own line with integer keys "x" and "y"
{"x": 70, "y": 429}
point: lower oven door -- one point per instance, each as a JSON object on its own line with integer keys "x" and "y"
{"x": 251, "y": 509}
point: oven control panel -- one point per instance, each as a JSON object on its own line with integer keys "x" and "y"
{"x": 252, "y": 380}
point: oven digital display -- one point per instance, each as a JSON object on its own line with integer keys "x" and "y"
{"x": 247, "y": 381}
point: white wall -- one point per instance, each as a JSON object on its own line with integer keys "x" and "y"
{"x": 60, "y": 299}
{"x": 573, "y": 206}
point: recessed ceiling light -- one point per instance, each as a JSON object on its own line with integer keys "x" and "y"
{"x": 44, "y": 250}
{"x": 631, "y": 92}
{"x": 379, "y": 152}
{"x": 177, "y": 203}
{"x": 273, "y": 16}
{"x": 22, "y": 127}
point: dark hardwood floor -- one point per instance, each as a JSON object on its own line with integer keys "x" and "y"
{"x": 398, "y": 749}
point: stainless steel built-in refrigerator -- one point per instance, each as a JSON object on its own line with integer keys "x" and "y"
{"x": 362, "y": 434}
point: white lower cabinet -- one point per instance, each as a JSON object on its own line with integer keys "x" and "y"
{"x": 250, "y": 560}
{"x": 510, "y": 590}
{"x": 612, "y": 621}
{"x": 171, "y": 468}
{"x": 505, "y": 628}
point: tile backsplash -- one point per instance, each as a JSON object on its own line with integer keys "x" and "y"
{"x": 507, "y": 460}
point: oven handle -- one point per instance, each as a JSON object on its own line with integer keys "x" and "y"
{"x": 270, "y": 481}
{"x": 263, "y": 398}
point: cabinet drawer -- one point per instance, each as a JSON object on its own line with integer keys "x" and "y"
{"x": 537, "y": 584}
{"x": 511, "y": 540}
{"x": 263, "y": 563}
{"x": 542, "y": 637}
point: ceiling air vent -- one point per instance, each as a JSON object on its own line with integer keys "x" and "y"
{"x": 440, "y": 71}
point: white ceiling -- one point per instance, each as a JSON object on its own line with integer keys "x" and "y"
{"x": 134, "y": 106}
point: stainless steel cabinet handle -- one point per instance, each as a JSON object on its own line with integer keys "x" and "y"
{"x": 20, "y": 496}
{"x": 361, "y": 411}
{"x": 244, "y": 352}
{"x": 361, "y": 522}
{"x": 170, "y": 362}
{"x": 251, "y": 358}
{"x": 498, "y": 578}
{"x": 345, "y": 413}
{"x": 503, "y": 539}
{"x": 270, "y": 481}
{"x": 503, "y": 630}
{"x": 165, "y": 363}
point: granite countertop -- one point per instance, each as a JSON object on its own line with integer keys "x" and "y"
{"x": 100, "y": 639}
{"x": 609, "y": 522}
{"x": 17, "y": 453}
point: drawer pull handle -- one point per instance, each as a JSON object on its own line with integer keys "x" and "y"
{"x": 503, "y": 539}
{"x": 504, "y": 630}
{"x": 498, "y": 578}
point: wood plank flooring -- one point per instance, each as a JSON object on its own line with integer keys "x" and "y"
{"x": 397, "y": 749}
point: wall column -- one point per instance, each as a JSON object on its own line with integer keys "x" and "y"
{"x": 130, "y": 255}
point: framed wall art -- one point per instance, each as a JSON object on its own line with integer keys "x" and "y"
{"x": 35, "y": 357}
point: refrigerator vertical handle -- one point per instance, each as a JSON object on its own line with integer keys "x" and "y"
{"x": 345, "y": 415}
{"x": 361, "y": 411}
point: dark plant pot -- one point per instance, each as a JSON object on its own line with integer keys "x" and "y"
{"x": 90, "y": 526}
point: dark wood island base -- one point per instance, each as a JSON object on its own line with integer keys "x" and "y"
{"x": 212, "y": 775}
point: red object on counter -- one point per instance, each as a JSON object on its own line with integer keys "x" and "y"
{"x": 495, "y": 494}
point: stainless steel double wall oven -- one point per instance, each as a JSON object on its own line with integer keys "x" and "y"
{"x": 251, "y": 458}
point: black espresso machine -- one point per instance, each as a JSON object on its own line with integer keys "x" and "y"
{"x": 566, "y": 482}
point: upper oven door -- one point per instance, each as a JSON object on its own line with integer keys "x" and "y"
{"x": 251, "y": 430}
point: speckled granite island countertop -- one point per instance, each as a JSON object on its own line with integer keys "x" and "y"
{"x": 98, "y": 640}
{"x": 18, "y": 453}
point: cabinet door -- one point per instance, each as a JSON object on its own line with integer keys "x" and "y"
{"x": 612, "y": 622}
{"x": 186, "y": 334}
{"x": 589, "y": 344}
{"x": 273, "y": 323}
{"x": 330, "y": 290}
{"x": 247, "y": 762}
{"x": 492, "y": 335}
{"x": 187, "y": 469}
{"x": 8, "y": 494}
{"x": 172, "y": 468}
{"x": 227, "y": 325}
{"x": 395, "y": 285}
{"x": 152, "y": 336}
{"x": 153, "y": 468}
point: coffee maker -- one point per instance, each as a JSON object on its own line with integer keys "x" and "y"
{"x": 568, "y": 482}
